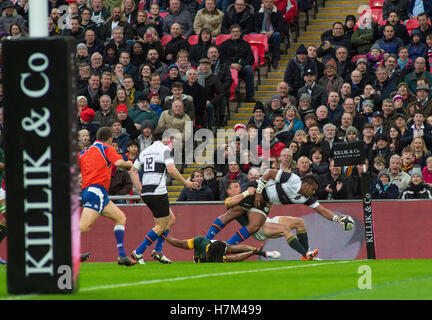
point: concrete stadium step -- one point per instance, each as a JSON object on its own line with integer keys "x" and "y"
{"x": 339, "y": 9}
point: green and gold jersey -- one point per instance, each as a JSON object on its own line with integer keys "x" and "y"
{"x": 200, "y": 246}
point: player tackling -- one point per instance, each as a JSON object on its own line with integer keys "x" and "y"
{"x": 274, "y": 187}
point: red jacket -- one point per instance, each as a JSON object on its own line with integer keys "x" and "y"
{"x": 275, "y": 151}
{"x": 292, "y": 12}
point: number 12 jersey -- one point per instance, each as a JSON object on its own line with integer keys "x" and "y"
{"x": 152, "y": 161}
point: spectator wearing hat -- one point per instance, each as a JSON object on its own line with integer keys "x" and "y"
{"x": 274, "y": 107}
{"x": 398, "y": 101}
{"x": 259, "y": 119}
{"x": 155, "y": 102}
{"x": 422, "y": 101}
{"x": 403, "y": 91}
{"x": 305, "y": 106}
{"x": 9, "y": 16}
{"x": 296, "y": 68}
{"x": 82, "y": 55}
{"x": 317, "y": 92}
{"x": 201, "y": 193}
{"x": 377, "y": 122}
{"x": 365, "y": 35}
{"x": 126, "y": 122}
{"x": 396, "y": 174}
{"x": 383, "y": 188}
{"x": 331, "y": 81}
{"x": 214, "y": 92}
{"x": 368, "y": 77}
{"x": 142, "y": 111}
{"x": 374, "y": 57}
{"x": 417, "y": 188}
{"x": 172, "y": 76}
{"x": 209, "y": 176}
{"x": 106, "y": 114}
{"x": 415, "y": 47}
{"x": 86, "y": 122}
{"x": 145, "y": 139}
{"x": 238, "y": 53}
{"x": 381, "y": 149}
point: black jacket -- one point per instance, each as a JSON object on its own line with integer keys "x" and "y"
{"x": 244, "y": 19}
{"x": 237, "y": 51}
{"x": 294, "y": 76}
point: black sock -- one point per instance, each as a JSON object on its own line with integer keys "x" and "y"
{"x": 296, "y": 245}
{"x": 303, "y": 238}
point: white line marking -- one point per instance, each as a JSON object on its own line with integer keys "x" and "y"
{"x": 146, "y": 282}
{"x": 140, "y": 283}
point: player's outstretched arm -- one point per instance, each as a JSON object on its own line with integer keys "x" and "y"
{"x": 326, "y": 213}
{"x": 183, "y": 244}
{"x": 239, "y": 257}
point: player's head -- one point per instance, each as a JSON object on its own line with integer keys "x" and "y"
{"x": 233, "y": 188}
{"x": 215, "y": 252}
{"x": 104, "y": 134}
{"x": 310, "y": 184}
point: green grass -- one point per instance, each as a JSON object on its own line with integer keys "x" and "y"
{"x": 249, "y": 280}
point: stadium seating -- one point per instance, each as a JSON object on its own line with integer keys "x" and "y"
{"x": 377, "y": 15}
{"x": 193, "y": 39}
{"x": 411, "y": 24}
{"x": 260, "y": 41}
{"x": 256, "y": 65}
{"x": 165, "y": 39}
{"x": 376, "y": 3}
{"x": 221, "y": 38}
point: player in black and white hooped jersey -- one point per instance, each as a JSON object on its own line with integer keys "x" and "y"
{"x": 155, "y": 162}
{"x": 274, "y": 187}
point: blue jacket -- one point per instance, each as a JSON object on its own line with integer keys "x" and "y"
{"x": 427, "y": 6}
{"x": 390, "y": 46}
{"x": 380, "y": 192}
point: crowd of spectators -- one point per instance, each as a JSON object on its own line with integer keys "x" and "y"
{"x": 365, "y": 82}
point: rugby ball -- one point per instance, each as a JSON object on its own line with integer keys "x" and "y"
{"x": 346, "y": 223}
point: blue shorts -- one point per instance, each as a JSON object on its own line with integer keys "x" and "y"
{"x": 95, "y": 197}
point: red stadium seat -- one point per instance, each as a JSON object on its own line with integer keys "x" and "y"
{"x": 235, "y": 84}
{"x": 193, "y": 39}
{"x": 377, "y": 15}
{"x": 163, "y": 14}
{"x": 165, "y": 39}
{"x": 221, "y": 38}
{"x": 411, "y": 24}
{"x": 355, "y": 58}
{"x": 260, "y": 41}
{"x": 376, "y": 3}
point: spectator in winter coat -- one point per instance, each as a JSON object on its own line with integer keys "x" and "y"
{"x": 383, "y": 188}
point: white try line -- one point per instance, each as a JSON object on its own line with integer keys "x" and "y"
{"x": 200, "y": 276}
{"x": 208, "y": 275}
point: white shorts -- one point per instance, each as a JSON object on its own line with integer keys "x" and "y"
{"x": 2, "y": 194}
{"x": 259, "y": 235}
